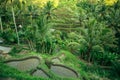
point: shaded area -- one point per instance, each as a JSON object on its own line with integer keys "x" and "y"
{"x": 6, "y": 79}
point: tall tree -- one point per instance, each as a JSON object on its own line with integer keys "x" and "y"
{"x": 2, "y": 5}
{"x": 12, "y": 4}
{"x": 1, "y": 24}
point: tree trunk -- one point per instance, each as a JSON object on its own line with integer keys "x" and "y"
{"x": 88, "y": 52}
{"x": 1, "y": 24}
{"x": 18, "y": 41}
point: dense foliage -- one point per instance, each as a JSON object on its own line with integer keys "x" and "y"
{"x": 89, "y": 29}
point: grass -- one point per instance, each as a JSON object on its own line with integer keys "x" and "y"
{"x": 6, "y": 72}
{"x": 86, "y": 72}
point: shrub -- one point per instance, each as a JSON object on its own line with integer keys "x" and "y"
{"x": 9, "y": 36}
{"x": 116, "y": 67}
{"x": 105, "y": 59}
{"x": 15, "y": 50}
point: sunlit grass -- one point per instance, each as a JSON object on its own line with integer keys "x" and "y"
{"x": 110, "y": 2}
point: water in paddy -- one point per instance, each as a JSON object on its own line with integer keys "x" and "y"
{"x": 40, "y": 73}
{"x": 24, "y": 65}
{"x": 63, "y": 71}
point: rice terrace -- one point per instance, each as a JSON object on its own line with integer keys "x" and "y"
{"x": 59, "y": 39}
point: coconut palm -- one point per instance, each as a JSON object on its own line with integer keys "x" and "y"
{"x": 2, "y": 4}
{"x": 12, "y": 4}
{"x": 1, "y": 24}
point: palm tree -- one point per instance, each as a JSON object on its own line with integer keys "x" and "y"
{"x": 13, "y": 13}
{"x": 13, "y": 4}
{"x": 1, "y": 24}
{"x": 2, "y": 3}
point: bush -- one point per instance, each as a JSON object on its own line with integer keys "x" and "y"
{"x": 46, "y": 45}
{"x": 116, "y": 67}
{"x": 9, "y": 36}
{"x": 105, "y": 59}
{"x": 15, "y": 50}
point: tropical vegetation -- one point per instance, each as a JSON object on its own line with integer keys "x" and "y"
{"x": 88, "y": 32}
